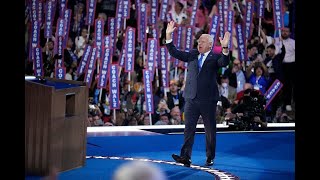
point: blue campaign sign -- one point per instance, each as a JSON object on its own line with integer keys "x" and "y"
{"x": 130, "y": 49}
{"x": 114, "y": 87}
{"x": 105, "y": 64}
{"x": 60, "y": 72}
{"x": 38, "y": 67}
{"x": 91, "y": 9}
{"x": 272, "y": 92}
{"x": 148, "y": 91}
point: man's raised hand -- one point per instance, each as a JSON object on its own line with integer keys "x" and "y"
{"x": 170, "y": 27}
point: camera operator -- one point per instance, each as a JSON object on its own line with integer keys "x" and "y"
{"x": 249, "y": 114}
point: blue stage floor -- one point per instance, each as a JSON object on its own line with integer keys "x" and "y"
{"x": 245, "y": 155}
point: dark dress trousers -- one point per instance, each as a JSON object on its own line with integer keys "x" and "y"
{"x": 201, "y": 95}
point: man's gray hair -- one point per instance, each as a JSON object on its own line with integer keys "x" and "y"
{"x": 210, "y": 38}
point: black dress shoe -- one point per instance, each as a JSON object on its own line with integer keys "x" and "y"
{"x": 183, "y": 160}
{"x": 209, "y": 162}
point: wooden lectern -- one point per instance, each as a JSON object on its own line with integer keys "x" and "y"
{"x": 56, "y": 112}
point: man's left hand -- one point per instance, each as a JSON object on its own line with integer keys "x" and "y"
{"x": 225, "y": 41}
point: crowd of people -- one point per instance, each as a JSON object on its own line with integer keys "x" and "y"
{"x": 270, "y": 57}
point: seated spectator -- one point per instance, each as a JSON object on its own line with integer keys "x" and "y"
{"x": 258, "y": 78}
{"x": 175, "y": 116}
{"x": 97, "y": 121}
{"x": 164, "y": 120}
{"x": 89, "y": 120}
{"x": 226, "y": 90}
{"x": 174, "y": 97}
{"x": 235, "y": 75}
{"x": 162, "y": 108}
{"x": 146, "y": 119}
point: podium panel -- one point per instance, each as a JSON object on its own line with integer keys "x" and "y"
{"x": 55, "y": 125}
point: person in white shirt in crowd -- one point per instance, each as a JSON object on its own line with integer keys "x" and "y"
{"x": 68, "y": 75}
{"x": 289, "y": 70}
{"x": 81, "y": 42}
{"x": 178, "y": 12}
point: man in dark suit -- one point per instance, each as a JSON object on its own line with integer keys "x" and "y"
{"x": 201, "y": 91}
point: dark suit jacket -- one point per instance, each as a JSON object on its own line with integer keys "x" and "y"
{"x": 202, "y": 85}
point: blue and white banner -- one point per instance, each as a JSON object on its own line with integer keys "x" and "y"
{"x": 49, "y": 16}
{"x": 59, "y": 50}
{"x": 225, "y": 7}
{"x": 105, "y": 64}
{"x": 130, "y": 49}
{"x": 84, "y": 59}
{"x": 248, "y": 19}
{"x": 169, "y": 17}
{"x": 91, "y": 10}
{"x": 242, "y": 50}
{"x": 164, "y": 66}
{"x": 138, "y": 2}
{"x": 112, "y": 32}
{"x": 40, "y": 12}
{"x": 151, "y": 55}
{"x": 155, "y": 33}
{"x": 277, "y": 14}
{"x": 114, "y": 87}
{"x": 154, "y": 12}
{"x": 196, "y": 4}
{"x": 38, "y": 67}
{"x": 163, "y": 10}
{"x": 63, "y": 6}
{"x": 261, "y": 5}
{"x": 35, "y": 38}
{"x": 91, "y": 67}
{"x": 142, "y": 23}
{"x": 214, "y": 27}
{"x": 122, "y": 55}
{"x": 58, "y": 46}
{"x": 67, "y": 19}
{"x": 60, "y": 72}
{"x": 148, "y": 91}
{"x": 189, "y": 42}
{"x": 34, "y": 10}
{"x": 107, "y": 41}
{"x": 119, "y": 14}
{"x": 61, "y": 31}
{"x": 189, "y": 38}
{"x": 221, "y": 19}
{"x": 230, "y": 27}
{"x": 126, "y": 9}
{"x": 99, "y": 36}
{"x": 178, "y": 38}
{"x": 157, "y": 60}
{"x": 272, "y": 92}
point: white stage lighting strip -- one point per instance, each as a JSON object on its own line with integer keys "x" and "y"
{"x": 219, "y": 174}
{"x": 141, "y": 128}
